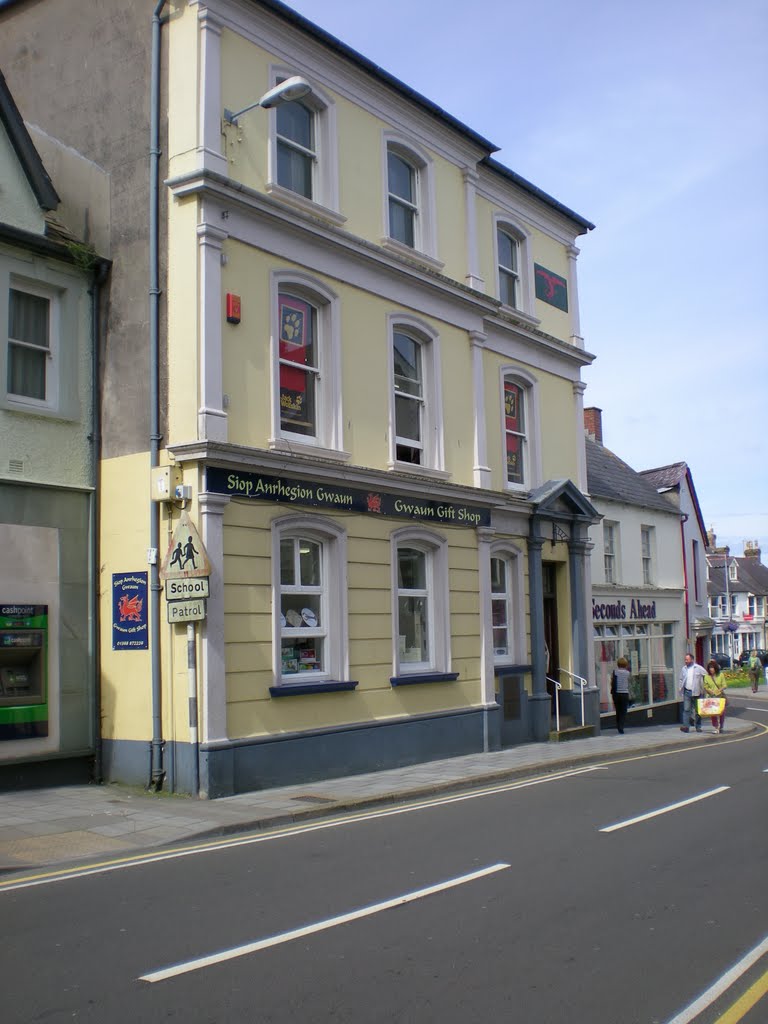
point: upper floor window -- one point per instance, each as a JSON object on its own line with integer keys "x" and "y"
{"x": 610, "y": 551}
{"x": 402, "y": 178}
{"x": 409, "y": 201}
{"x": 733, "y": 571}
{"x": 646, "y": 549}
{"x": 31, "y": 353}
{"x": 303, "y": 161}
{"x": 515, "y": 432}
{"x": 307, "y": 375}
{"x": 514, "y": 264}
{"x": 409, "y": 398}
{"x": 509, "y": 268}
{"x": 296, "y": 148}
{"x": 416, "y": 426}
{"x": 695, "y": 561}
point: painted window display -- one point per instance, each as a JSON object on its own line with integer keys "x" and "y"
{"x": 298, "y": 366}
{"x": 302, "y": 606}
{"x": 514, "y": 431}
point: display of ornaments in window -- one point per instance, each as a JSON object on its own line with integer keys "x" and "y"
{"x": 306, "y": 618}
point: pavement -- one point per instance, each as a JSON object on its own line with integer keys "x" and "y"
{"x": 40, "y": 827}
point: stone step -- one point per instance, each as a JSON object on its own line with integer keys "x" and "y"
{"x": 573, "y": 732}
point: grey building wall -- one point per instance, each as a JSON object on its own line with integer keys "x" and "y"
{"x": 81, "y": 72}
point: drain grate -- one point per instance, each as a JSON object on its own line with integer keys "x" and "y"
{"x": 315, "y": 799}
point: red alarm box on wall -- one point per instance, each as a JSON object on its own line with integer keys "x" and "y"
{"x": 233, "y": 308}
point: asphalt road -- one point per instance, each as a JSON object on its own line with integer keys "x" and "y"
{"x": 548, "y": 917}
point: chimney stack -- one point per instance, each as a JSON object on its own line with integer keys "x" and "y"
{"x": 751, "y": 550}
{"x": 593, "y": 423}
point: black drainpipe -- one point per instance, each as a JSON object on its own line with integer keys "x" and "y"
{"x": 157, "y": 772}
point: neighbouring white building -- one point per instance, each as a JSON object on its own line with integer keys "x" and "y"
{"x": 738, "y": 598}
{"x": 638, "y": 589}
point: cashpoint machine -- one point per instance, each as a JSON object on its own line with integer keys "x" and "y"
{"x": 23, "y": 671}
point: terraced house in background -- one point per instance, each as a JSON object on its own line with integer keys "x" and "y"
{"x": 344, "y": 343}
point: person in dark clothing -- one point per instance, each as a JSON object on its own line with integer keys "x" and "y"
{"x": 620, "y": 691}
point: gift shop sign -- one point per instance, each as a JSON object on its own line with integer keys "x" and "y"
{"x": 319, "y": 495}
{"x": 130, "y": 631}
{"x": 621, "y": 611}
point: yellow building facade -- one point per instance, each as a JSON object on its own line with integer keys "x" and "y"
{"x": 369, "y": 369}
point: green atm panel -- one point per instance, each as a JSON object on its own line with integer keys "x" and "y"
{"x": 23, "y": 671}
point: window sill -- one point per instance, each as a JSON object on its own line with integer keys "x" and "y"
{"x": 282, "y": 444}
{"x": 326, "y": 686}
{"x": 424, "y": 677}
{"x": 299, "y": 202}
{"x": 412, "y": 470}
{"x": 422, "y": 258}
{"x": 512, "y": 670}
{"x": 520, "y": 314}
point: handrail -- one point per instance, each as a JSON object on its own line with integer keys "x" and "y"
{"x": 582, "y": 683}
{"x": 558, "y": 687}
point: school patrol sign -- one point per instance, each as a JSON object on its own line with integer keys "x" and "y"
{"x": 186, "y": 557}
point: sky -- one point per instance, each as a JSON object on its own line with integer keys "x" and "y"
{"x": 650, "y": 120}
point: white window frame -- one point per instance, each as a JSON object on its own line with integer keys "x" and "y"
{"x": 425, "y": 228}
{"x": 433, "y": 450}
{"x": 333, "y": 540}
{"x": 532, "y": 472}
{"x": 328, "y": 439}
{"x": 515, "y": 598}
{"x": 733, "y": 572}
{"x": 435, "y": 548}
{"x": 29, "y": 286}
{"x": 325, "y": 176}
{"x": 611, "y": 530}
{"x": 646, "y": 554}
{"x": 517, "y": 231}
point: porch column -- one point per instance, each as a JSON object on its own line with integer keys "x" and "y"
{"x": 579, "y": 547}
{"x": 540, "y": 702}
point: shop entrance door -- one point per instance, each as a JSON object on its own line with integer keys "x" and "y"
{"x": 549, "y": 588}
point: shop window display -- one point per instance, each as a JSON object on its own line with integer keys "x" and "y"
{"x": 649, "y": 649}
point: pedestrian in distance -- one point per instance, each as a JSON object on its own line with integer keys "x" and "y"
{"x": 620, "y": 679}
{"x": 714, "y": 685}
{"x": 754, "y": 670}
{"x": 692, "y": 677}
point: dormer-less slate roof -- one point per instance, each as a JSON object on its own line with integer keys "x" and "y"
{"x": 24, "y": 147}
{"x": 752, "y": 576}
{"x": 609, "y": 477}
{"x": 671, "y": 477}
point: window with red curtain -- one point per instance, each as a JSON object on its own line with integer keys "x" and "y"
{"x": 298, "y": 365}
{"x": 514, "y": 428}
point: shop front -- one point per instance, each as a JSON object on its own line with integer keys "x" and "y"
{"x": 647, "y": 631}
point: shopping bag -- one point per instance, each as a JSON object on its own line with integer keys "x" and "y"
{"x": 709, "y": 706}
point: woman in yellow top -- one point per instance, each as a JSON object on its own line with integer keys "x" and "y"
{"x": 714, "y": 686}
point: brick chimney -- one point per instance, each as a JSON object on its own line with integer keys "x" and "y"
{"x": 593, "y": 423}
{"x": 751, "y": 550}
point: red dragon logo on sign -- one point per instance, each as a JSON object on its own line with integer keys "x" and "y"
{"x": 130, "y": 608}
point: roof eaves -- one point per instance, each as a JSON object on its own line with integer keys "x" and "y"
{"x": 537, "y": 193}
{"x": 335, "y": 44}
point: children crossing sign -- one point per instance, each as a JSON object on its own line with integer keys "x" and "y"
{"x": 186, "y": 557}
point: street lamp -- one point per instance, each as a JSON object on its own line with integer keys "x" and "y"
{"x": 285, "y": 92}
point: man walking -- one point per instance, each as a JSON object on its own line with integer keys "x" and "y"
{"x": 692, "y": 678}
